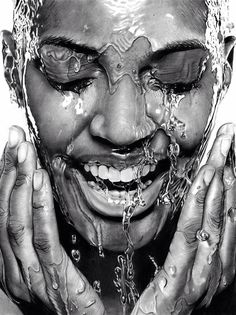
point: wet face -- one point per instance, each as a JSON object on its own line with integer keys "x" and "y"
{"x": 116, "y": 82}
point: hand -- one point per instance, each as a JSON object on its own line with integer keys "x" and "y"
{"x": 35, "y": 265}
{"x": 201, "y": 258}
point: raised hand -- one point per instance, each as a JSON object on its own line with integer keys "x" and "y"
{"x": 201, "y": 258}
{"x": 35, "y": 266}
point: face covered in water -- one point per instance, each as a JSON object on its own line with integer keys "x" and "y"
{"x": 116, "y": 82}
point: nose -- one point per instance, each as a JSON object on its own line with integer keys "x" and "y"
{"x": 123, "y": 120}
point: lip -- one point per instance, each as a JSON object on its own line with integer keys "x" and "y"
{"x": 98, "y": 201}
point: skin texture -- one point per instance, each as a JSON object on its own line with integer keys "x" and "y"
{"x": 104, "y": 121}
{"x": 115, "y": 91}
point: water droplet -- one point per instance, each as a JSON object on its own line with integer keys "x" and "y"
{"x": 97, "y": 287}
{"x": 100, "y": 251}
{"x": 123, "y": 299}
{"x": 172, "y": 270}
{"x": 162, "y": 283}
{"x": 209, "y": 259}
{"x": 232, "y": 214}
{"x": 75, "y": 253}
{"x": 73, "y": 239}
{"x": 89, "y": 58}
{"x": 224, "y": 281}
{"x": 55, "y": 286}
{"x": 77, "y": 67}
{"x": 80, "y": 287}
{"x": 69, "y": 149}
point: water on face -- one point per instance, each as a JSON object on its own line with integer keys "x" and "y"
{"x": 175, "y": 186}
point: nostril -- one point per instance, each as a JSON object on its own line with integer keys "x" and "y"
{"x": 97, "y": 125}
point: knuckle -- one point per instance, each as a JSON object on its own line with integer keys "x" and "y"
{"x": 200, "y": 198}
{"x": 9, "y": 164}
{"x": 16, "y": 231}
{"x": 3, "y": 217}
{"x": 22, "y": 179}
{"x": 220, "y": 171}
{"x": 38, "y": 206}
{"x": 42, "y": 244}
{"x": 189, "y": 231}
{"x": 3, "y": 211}
{"x": 215, "y": 220}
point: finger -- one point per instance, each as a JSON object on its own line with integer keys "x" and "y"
{"x": 66, "y": 287}
{"x": 228, "y": 248}
{"x": 221, "y": 147}
{"x": 7, "y": 181}
{"x": 20, "y": 221}
{"x": 183, "y": 248}
{"x": 206, "y": 271}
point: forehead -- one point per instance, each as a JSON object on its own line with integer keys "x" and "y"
{"x": 98, "y": 23}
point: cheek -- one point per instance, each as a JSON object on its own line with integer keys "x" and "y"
{"x": 58, "y": 117}
{"x": 194, "y": 111}
{"x": 186, "y": 117}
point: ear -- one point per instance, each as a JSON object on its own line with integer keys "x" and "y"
{"x": 229, "y": 56}
{"x": 11, "y": 71}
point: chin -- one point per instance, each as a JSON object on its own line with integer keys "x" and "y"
{"x": 94, "y": 196}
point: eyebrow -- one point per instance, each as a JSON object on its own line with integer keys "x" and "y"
{"x": 68, "y": 43}
{"x": 180, "y": 46}
{"x": 175, "y": 46}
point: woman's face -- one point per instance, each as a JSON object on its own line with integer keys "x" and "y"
{"x": 112, "y": 77}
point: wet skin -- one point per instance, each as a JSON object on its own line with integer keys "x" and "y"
{"x": 112, "y": 103}
{"x": 101, "y": 90}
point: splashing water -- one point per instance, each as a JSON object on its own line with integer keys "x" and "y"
{"x": 175, "y": 187}
{"x": 217, "y": 24}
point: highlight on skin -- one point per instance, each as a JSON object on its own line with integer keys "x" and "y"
{"x": 161, "y": 97}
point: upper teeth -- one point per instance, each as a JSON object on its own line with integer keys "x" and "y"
{"x": 114, "y": 175}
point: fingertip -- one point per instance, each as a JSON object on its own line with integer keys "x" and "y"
{"x": 15, "y": 136}
{"x": 228, "y": 128}
{"x": 208, "y": 175}
{"x": 41, "y": 179}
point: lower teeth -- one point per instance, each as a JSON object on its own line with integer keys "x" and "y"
{"x": 118, "y": 198}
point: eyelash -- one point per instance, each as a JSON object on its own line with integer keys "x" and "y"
{"x": 176, "y": 88}
{"x": 78, "y": 86}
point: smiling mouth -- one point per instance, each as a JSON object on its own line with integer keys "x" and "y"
{"x": 108, "y": 189}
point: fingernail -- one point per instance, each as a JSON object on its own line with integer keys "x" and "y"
{"x": 227, "y": 129}
{"x": 22, "y": 152}
{"x": 38, "y": 180}
{"x": 208, "y": 175}
{"x": 13, "y": 137}
{"x": 225, "y": 145}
